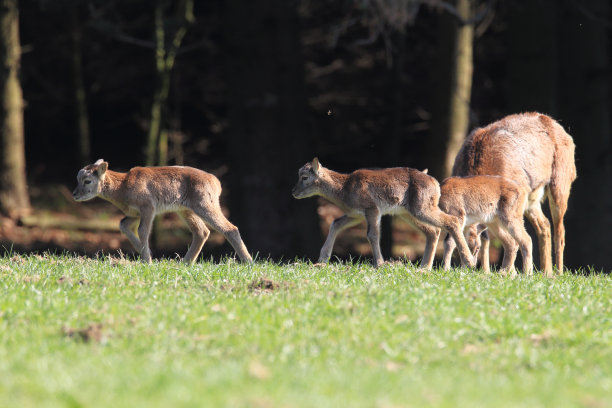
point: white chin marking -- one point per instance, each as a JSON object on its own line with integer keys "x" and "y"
{"x": 82, "y": 198}
{"x": 301, "y": 195}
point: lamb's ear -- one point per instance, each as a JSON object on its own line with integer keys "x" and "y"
{"x": 102, "y": 167}
{"x": 425, "y": 171}
{"x": 316, "y": 165}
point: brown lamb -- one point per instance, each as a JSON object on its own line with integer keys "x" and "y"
{"x": 144, "y": 192}
{"x": 496, "y": 202}
{"x": 369, "y": 194}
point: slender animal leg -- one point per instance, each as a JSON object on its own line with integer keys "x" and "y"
{"x": 484, "y": 249}
{"x": 557, "y": 200}
{"x": 450, "y": 244}
{"x": 449, "y": 248}
{"x": 339, "y": 224}
{"x": 214, "y": 217}
{"x": 435, "y": 216}
{"x": 199, "y": 233}
{"x": 144, "y": 230}
{"x": 432, "y": 235}
{"x": 517, "y": 230}
{"x": 127, "y": 225}
{"x": 373, "y": 230}
{"x": 564, "y": 174}
{"x": 542, "y": 227}
{"x": 510, "y": 249}
{"x": 478, "y": 243}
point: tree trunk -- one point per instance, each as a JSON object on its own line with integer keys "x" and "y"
{"x": 267, "y": 135}
{"x": 451, "y": 110}
{"x": 165, "y": 55}
{"x": 81, "y": 118}
{"x": 585, "y": 112}
{"x": 160, "y": 92}
{"x": 392, "y": 144}
{"x": 13, "y": 189}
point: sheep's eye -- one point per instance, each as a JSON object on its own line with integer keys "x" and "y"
{"x": 304, "y": 178}
{"x": 87, "y": 181}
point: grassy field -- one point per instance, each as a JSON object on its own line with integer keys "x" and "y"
{"x": 111, "y": 332}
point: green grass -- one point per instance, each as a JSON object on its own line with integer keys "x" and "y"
{"x": 342, "y": 335}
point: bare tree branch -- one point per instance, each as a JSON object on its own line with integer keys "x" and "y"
{"x": 345, "y": 25}
{"x": 114, "y": 33}
{"x": 98, "y": 23}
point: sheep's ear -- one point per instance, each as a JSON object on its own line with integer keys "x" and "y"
{"x": 316, "y": 165}
{"x": 425, "y": 171}
{"x": 101, "y": 167}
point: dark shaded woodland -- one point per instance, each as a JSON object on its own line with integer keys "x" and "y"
{"x": 251, "y": 90}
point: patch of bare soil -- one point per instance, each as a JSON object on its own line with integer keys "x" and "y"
{"x": 67, "y": 280}
{"x": 91, "y": 333}
{"x": 263, "y": 284}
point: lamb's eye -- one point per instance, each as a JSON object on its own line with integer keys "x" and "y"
{"x": 304, "y": 178}
{"x": 87, "y": 181}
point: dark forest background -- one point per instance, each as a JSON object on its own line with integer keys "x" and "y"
{"x": 251, "y": 90}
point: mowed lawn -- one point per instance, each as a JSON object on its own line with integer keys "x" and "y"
{"x": 113, "y": 332}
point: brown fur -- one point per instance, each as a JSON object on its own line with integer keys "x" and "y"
{"x": 496, "y": 202}
{"x": 144, "y": 192}
{"x": 369, "y": 194}
{"x": 535, "y": 151}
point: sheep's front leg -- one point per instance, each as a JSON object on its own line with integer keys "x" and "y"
{"x": 339, "y": 224}
{"x": 128, "y": 226}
